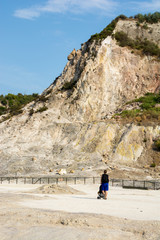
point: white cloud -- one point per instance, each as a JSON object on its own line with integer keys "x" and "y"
{"x": 62, "y": 6}
{"x": 27, "y": 13}
{"x": 149, "y": 6}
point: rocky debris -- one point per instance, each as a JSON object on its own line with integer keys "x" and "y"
{"x": 56, "y": 189}
{"x": 62, "y": 171}
{"x": 34, "y": 159}
{"x": 71, "y": 55}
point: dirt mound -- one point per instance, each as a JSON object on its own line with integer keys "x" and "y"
{"x": 56, "y": 189}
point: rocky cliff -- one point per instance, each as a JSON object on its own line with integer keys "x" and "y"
{"x": 70, "y": 125}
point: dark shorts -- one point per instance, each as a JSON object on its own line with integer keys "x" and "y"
{"x": 105, "y": 186}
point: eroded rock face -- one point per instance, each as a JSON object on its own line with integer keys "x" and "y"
{"x": 142, "y": 31}
{"x": 93, "y": 88}
{"x": 73, "y": 146}
{"x": 75, "y": 132}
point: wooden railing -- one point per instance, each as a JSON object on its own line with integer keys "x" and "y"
{"x": 155, "y": 184}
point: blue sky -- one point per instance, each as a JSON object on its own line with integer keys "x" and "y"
{"x": 36, "y": 36}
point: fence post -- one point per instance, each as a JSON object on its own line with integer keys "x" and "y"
{"x": 84, "y": 180}
{"x": 48, "y": 180}
{"x": 57, "y": 180}
{"x": 16, "y": 180}
{"x": 66, "y": 180}
{"x": 75, "y": 180}
{"x": 93, "y": 180}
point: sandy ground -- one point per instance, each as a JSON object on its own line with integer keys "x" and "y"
{"x": 28, "y": 212}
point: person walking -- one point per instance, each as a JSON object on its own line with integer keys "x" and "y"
{"x": 105, "y": 183}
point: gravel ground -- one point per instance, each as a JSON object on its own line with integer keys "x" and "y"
{"x": 74, "y": 211}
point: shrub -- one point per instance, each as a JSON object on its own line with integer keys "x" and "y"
{"x": 13, "y": 102}
{"x": 68, "y": 85}
{"x": 138, "y": 24}
{"x": 157, "y": 144}
{"x": 31, "y": 112}
{"x": 140, "y": 17}
{"x": 130, "y": 113}
{"x": 107, "y": 31}
{"x": 148, "y": 108}
{"x": 145, "y": 26}
{"x": 150, "y": 18}
{"x": 42, "y": 98}
{"x": 2, "y": 110}
{"x": 42, "y": 109}
{"x": 153, "y": 164}
{"x": 147, "y": 47}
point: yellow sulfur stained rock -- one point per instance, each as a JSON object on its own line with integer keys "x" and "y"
{"x": 62, "y": 171}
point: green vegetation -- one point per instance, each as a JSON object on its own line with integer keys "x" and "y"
{"x": 68, "y": 85}
{"x": 146, "y": 47}
{"x": 42, "y": 109}
{"x": 149, "y": 108}
{"x": 157, "y": 144}
{"x": 145, "y": 26}
{"x": 149, "y": 100}
{"x": 31, "y": 112}
{"x": 107, "y": 31}
{"x": 149, "y": 18}
{"x": 153, "y": 164}
{"x": 142, "y": 46}
{"x": 130, "y": 113}
{"x": 42, "y": 98}
{"x": 12, "y": 104}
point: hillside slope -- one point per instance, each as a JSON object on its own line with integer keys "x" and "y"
{"x": 70, "y": 125}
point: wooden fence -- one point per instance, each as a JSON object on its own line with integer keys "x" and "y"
{"x": 155, "y": 185}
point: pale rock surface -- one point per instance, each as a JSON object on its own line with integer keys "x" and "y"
{"x": 75, "y": 132}
{"x": 151, "y": 33}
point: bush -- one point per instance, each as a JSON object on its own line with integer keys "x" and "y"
{"x": 150, "y": 18}
{"x": 147, "y": 47}
{"x": 146, "y": 105}
{"x": 157, "y": 144}
{"x": 153, "y": 164}
{"x": 31, "y": 112}
{"x": 145, "y": 26}
{"x": 140, "y": 17}
{"x": 42, "y": 109}
{"x": 130, "y": 113}
{"x": 150, "y": 48}
{"x": 13, "y": 103}
{"x": 148, "y": 108}
{"x": 42, "y": 98}
{"x": 3, "y": 110}
{"x": 68, "y": 85}
{"x": 108, "y": 30}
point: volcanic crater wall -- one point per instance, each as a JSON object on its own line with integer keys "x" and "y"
{"x": 75, "y": 131}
